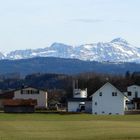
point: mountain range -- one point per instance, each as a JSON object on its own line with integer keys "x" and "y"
{"x": 117, "y": 50}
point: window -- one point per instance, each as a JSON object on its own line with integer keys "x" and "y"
{"x": 100, "y": 94}
{"x": 95, "y": 103}
{"x": 21, "y": 91}
{"x": 29, "y": 91}
{"x": 129, "y": 93}
{"x": 136, "y": 94}
{"x": 114, "y": 93}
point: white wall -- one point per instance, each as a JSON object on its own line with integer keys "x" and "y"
{"x": 41, "y": 97}
{"x": 88, "y": 106}
{"x": 108, "y": 103}
{"x": 73, "y": 106}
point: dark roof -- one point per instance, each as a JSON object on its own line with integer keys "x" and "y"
{"x": 7, "y": 95}
{"x": 25, "y": 87}
{"x": 79, "y": 99}
{"x": 116, "y": 87}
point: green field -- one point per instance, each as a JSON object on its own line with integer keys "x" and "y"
{"x": 68, "y": 127}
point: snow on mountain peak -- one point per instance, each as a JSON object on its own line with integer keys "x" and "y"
{"x": 119, "y": 40}
{"x": 60, "y": 46}
{"x": 118, "y": 50}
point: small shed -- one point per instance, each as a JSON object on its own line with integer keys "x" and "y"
{"x": 19, "y": 105}
{"x": 79, "y": 105}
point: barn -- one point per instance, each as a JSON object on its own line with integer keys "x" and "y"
{"x": 19, "y": 106}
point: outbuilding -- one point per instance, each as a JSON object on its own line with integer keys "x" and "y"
{"x": 19, "y": 106}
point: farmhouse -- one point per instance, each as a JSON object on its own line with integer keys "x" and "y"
{"x": 32, "y": 93}
{"x": 108, "y": 100}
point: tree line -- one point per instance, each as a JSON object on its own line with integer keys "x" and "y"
{"x": 64, "y": 83}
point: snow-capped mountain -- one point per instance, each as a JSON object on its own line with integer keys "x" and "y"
{"x": 118, "y": 50}
{"x": 55, "y": 50}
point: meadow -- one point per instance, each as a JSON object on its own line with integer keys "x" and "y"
{"x": 68, "y": 127}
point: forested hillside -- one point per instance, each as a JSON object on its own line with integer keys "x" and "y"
{"x": 63, "y": 66}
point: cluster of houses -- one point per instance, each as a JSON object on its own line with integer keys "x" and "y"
{"x": 106, "y": 101}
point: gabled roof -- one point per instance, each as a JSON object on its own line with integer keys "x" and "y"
{"x": 111, "y": 86}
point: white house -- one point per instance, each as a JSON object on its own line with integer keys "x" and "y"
{"x": 133, "y": 94}
{"x": 133, "y": 91}
{"x": 108, "y": 100}
{"x": 32, "y": 93}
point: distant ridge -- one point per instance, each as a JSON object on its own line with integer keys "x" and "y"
{"x": 63, "y": 66}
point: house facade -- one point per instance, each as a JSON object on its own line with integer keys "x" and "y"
{"x": 133, "y": 91}
{"x": 108, "y": 100}
{"x": 133, "y": 94}
{"x": 33, "y": 93}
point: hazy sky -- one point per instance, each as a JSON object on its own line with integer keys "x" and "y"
{"x": 38, "y": 23}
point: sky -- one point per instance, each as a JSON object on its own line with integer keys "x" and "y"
{"x": 26, "y": 24}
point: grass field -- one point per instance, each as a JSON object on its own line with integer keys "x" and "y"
{"x": 68, "y": 127}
